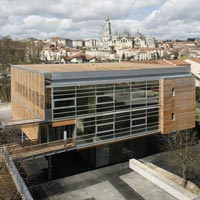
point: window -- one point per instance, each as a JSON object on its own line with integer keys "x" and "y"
{"x": 173, "y": 92}
{"x": 138, "y": 95}
{"x": 173, "y": 117}
{"x": 109, "y": 98}
{"x": 64, "y": 103}
{"x": 138, "y": 114}
{"x": 138, "y": 122}
{"x": 105, "y": 127}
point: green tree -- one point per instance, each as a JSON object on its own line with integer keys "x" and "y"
{"x": 197, "y": 93}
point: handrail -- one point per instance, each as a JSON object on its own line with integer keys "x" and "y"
{"x": 20, "y": 151}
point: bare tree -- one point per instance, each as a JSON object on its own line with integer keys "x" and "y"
{"x": 15, "y": 52}
{"x": 9, "y": 135}
{"x": 181, "y": 153}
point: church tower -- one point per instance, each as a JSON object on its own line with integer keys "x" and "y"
{"x": 107, "y": 30}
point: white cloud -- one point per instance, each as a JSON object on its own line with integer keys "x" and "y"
{"x": 36, "y": 26}
{"x": 85, "y": 18}
{"x": 146, "y": 3}
{"x": 125, "y": 25}
{"x": 46, "y": 23}
{"x": 175, "y": 19}
{"x": 76, "y": 9}
{"x": 76, "y": 19}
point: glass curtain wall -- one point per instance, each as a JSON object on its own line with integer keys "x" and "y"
{"x": 107, "y": 111}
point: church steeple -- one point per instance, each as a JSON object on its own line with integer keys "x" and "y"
{"x": 107, "y": 30}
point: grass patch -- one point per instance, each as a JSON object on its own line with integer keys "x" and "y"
{"x": 8, "y": 189}
{"x": 184, "y": 57}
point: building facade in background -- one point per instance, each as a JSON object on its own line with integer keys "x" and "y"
{"x": 124, "y": 40}
{"x": 118, "y": 46}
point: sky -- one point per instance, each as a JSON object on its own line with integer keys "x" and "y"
{"x": 84, "y": 19}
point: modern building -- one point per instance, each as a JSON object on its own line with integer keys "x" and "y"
{"x": 99, "y": 104}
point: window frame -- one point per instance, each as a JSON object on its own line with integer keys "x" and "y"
{"x": 105, "y": 95}
{"x": 173, "y": 116}
{"x": 173, "y": 92}
{"x": 135, "y": 119}
{"x": 110, "y": 123}
{"x": 56, "y": 100}
{"x": 132, "y": 93}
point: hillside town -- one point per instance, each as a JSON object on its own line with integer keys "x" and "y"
{"x": 115, "y": 47}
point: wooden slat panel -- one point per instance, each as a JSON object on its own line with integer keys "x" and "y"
{"x": 63, "y": 123}
{"x": 31, "y": 131}
{"x": 182, "y": 104}
{"x": 28, "y": 89}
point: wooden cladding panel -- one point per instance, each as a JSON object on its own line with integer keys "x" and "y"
{"x": 19, "y": 113}
{"x": 31, "y": 131}
{"x": 27, "y": 100}
{"x": 28, "y": 89}
{"x": 63, "y": 123}
{"x": 182, "y": 104}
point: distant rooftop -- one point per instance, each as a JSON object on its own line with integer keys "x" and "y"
{"x": 89, "y": 67}
{"x": 178, "y": 62}
{"x": 197, "y": 60}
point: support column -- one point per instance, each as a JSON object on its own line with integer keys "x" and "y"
{"x": 49, "y": 168}
{"x": 22, "y": 136}
{"x": 47, "y": 133}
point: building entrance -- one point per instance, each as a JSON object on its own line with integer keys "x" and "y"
{"x": 50, "y": 133}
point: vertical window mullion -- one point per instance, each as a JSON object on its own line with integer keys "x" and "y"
{"x": 114, "y": 97}
{"x": 52, "y": 103}
{"x": 75, "y": 100}
{"x": 146, "y": 92}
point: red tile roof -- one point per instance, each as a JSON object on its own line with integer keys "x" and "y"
{"x": 80, "y": 55}
{"x": 163, "y": 62}
{"x": 178, "y": 62}
{"x": 197, "y": 60}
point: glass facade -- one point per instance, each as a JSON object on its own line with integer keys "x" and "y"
{"x": 107, "y": 111}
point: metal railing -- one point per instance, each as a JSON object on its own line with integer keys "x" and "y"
{"x": 28, "y": 150}
{"x": 19, "y": 182}
{"x": 23, "y": 151}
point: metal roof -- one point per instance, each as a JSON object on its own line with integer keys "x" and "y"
{"x": 90, "y": 67}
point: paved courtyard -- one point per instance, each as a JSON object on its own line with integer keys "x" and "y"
{"x": 115, "y": 182}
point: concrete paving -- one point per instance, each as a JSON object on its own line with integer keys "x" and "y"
{"x": 145, "y": 188}
{"x": 115, "y": 182}
{"x": 101, "y": 191}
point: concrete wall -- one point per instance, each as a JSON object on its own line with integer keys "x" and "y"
{"x": 162, "y": 182}
{"x": 115, "y": 152}
{"x": 102, "y": 156}
{"x": 195, "y": 69}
